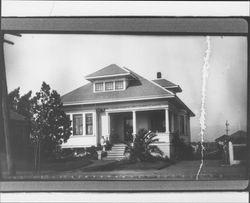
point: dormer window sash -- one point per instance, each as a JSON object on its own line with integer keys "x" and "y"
{"x": 99, "y": 87}
{"x": 119, "y": 84}
{"x": 109, "y": 85}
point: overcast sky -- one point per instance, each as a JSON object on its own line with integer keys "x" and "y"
{"x": 63, "y": 60}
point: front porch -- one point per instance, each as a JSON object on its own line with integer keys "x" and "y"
{"x": 124, "y": 124}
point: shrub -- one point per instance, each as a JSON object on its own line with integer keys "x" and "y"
{"x": 92, "y": 152}
{"x": 142, "y": 148}
{"x": 182, "y": 151}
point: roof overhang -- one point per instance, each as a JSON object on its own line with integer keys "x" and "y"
{"x": 176, "y": 88}
{"x": 184, "y": 106}
{"x": 107, "y": 76}
{"x": 117, "y": 100}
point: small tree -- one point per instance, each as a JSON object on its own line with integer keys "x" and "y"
{"x": 13, "y": 99}
{"x": 24, "y": 105}
{"x": 50, "y": 126}
{"x": 19, "y": 104}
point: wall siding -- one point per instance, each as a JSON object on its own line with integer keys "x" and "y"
{"x": 103, "y": 122}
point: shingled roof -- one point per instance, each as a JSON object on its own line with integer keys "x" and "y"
{"x": 109, "y": 71}
{"x": 168, "y": 85}
{"x": 139, "y": 88}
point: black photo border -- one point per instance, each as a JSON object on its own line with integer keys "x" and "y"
{"x": 128, "y": 25}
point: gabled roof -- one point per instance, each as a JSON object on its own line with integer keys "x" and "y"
{"x": 222, "y": 138}
{"x": 109, "y": 71}
{"x": 238, "y": 137}
{"x": 168, "y": 85}
{"x": 138, "y": 89}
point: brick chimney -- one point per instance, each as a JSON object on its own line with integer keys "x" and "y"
{"x": 158, "y": 75}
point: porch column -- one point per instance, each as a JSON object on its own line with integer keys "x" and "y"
{"x": 108, "y": 119}
{"x": 172, "y": 122}
{"x": 134, "y": 122}
{"x": 166, "y": 120}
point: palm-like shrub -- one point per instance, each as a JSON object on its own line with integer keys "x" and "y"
{"x": 142, "y": 147}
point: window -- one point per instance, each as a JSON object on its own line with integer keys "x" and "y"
{"x": 119, "y": 85}
{"x": 158, "y": 121}
{"x": 99, "y": 87}
{"x": 103, "y": 86}
{"x": 89, "y": 123}
{"x": 77, "y": 124}
{"x": 109, "y": 86}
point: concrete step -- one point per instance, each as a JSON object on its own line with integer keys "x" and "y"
{"x": 118, "y": 147}
{"x": 114, "y": 155}
{"x": 116, "y": 152}
{"x": 113, "y": 158}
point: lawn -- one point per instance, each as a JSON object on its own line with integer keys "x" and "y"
{"x": 127, "y": 165}
{"x": 53, "y": 165}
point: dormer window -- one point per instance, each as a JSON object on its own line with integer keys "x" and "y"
{"x": 119, "y": 84}
{"x": 99, "y": 87}
{"x": 109, "y": 86}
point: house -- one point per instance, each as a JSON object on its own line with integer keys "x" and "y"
{"x": 117, "y": 102}
{"x": 19, "y": 136}
{"x": 238, "y": 137}
{"x": 222, "y": 139}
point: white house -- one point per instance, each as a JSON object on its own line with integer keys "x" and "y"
{"x": 117, "y": 102}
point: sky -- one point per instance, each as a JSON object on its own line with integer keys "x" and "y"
{"x": 64, "y": 60}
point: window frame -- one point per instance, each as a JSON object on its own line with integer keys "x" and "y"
{"x": 108, "y": 90}
{"x": 99, "y": 83}
{"x": 122, "y": 81}
{"x": 84, "y": 134}
{"x": 86, "y": 124}
{"x": 113, "y": 85}
{"x": 73, "y": 128}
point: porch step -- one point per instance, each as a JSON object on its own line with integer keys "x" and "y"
{"x": 116, "y": 153}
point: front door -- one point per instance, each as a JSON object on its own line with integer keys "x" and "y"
{"x": 128, "y": 129}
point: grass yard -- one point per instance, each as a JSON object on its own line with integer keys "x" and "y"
{"x": 127, "y": 165}
{"x": 53, "y": 165}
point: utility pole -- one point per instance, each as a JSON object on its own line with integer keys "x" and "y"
{"x": 227, "y": 124}
{"x": 4, "y": 109}
{"x": 5, "y": 112}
